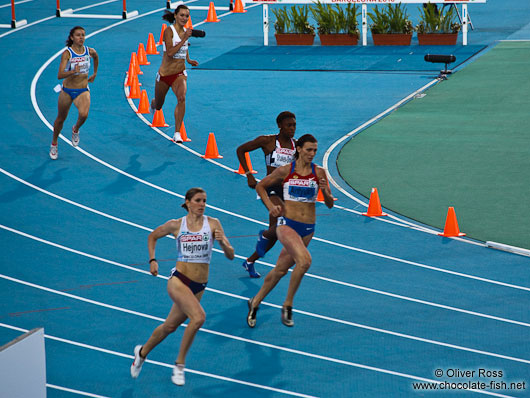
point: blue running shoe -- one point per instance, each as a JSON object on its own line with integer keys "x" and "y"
{"x": 250, "y": 268}
{"x": 261, "y": 246}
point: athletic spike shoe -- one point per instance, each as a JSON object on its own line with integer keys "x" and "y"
{"x": 177, "y": 138}
{"x": 261, "y": 246}
{"x": 75, "y": 137}
{"x": 54, "y": 152}
{"x": 251, "y": 317}
{"x": 250, "y": 269}
{"x": 287, "y": 316}
{"x": 178, "y": 375}
{"x": 136, "y": 366}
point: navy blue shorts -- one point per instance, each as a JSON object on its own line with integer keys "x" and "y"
{"x": 301, "y": 228}
{"x": 74, "y": 92}
{"x": 195, "y": 287}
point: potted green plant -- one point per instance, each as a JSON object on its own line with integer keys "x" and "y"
{"x": 391, "y": 25}
{"x": 336, "y": 26}
{"x": 437, "y": 27}
{"x": 292, "y": 26}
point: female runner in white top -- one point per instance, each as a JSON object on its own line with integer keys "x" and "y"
{"x": 194, "y": 234}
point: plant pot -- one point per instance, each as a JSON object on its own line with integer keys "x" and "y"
{"x": 437, "y": 39}
{"x": 294, "y": 39}
{"x": 338, "y": 39}
{"x": 392, "y": 39}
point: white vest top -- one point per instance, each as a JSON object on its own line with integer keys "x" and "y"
{"x": 181, "y": 54}
{"x": 195, "y": 247}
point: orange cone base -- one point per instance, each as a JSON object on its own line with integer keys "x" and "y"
{"x": 241, "y": 171}
{"x": 211, "y": 157}
{"x": 374, "y": 215}
{"x": 448, "y": 235}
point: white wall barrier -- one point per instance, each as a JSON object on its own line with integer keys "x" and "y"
{"x": 23, "y": 366}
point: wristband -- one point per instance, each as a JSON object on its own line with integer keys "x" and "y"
{"x": 153, "y": 259}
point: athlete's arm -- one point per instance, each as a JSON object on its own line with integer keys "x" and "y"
{"x": 275, "y": 178}
{"x": 219, "y": 236}
{"x": 64, "y": 60}
{"x": 170, "y": 227}
{"x": 259, "y": 142}
{"x": 95, "y": 57}
{"x": 323, "y": 184}
{"x": 168, "y": 39}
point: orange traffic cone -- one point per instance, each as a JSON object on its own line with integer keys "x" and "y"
{"x": 143, "y": 106}
{"x": 320, "y": 196}
{"x": 239, "y": 7}
{"x": 189, "y": 24}
{"x": 131, "y": 73}
{"x": 183, "y": 134}
{"x": 211, "y": 148}
{"x": 162, "y": 35}
{"x": 151, "y": 46}
{"x": 134, "y": 63}
{"x": 158, "y": 119}
{"x": 142, "y": 56}
{"x": 451, "y": 225}
{"x": 374, "y": 206}
{"x": 212, "y": 15}
{"x": 249, "y": 166}
{"x": 134, "y": 88}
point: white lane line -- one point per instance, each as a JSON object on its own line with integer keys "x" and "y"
{"x": 167, "y": 365}
{"x": 45, "y": 121}
{"x": 78, "y": 392}
{"x": 310, "y": 314}
{"x": 353, "y": 364}
{"x": 347, "y": 247}
{"x": 398, "y": 221}
{"x": 397, "y": 296}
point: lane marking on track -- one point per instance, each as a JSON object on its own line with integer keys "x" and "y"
{"x": 310, "y": 314}
{"x": 353, "y": 364}
{"x": 459, "y": 274}
{"x": 166, "y": 365}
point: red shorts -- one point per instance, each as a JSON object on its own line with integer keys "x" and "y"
{"x": 170, "y": 79}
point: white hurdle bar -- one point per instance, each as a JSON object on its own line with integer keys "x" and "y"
{"x": 14, "y": 23}
{"x": 69, "y": 13}
{"x": 364, "y": 12}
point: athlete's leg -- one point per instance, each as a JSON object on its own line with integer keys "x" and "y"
{"x": 63, "y": 106}
{"x": 179, "y": 88}
{"x": 297, "y": 249}
{"x": 161, "y": 89}
{"x": 185, "y": 305}
{"x": 82, "y": 103}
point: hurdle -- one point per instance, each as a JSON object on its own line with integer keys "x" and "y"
{"x": 14, "y": 23}
{"x": 364, "y": 12}
{"x": 69, "y": 13}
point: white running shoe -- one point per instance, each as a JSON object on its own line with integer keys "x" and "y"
{"x": 54, "y": 152}
{"x": 136, "y": 366}
{"x": 177, "y": 138}
{"x": 178, "y": 375}
{"x": 75, "y": 137}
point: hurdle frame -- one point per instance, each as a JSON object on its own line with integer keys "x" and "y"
{"x": 14, "y": 23}
{"x": 364, "y": 12}
{"x": 69, "y": 13}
